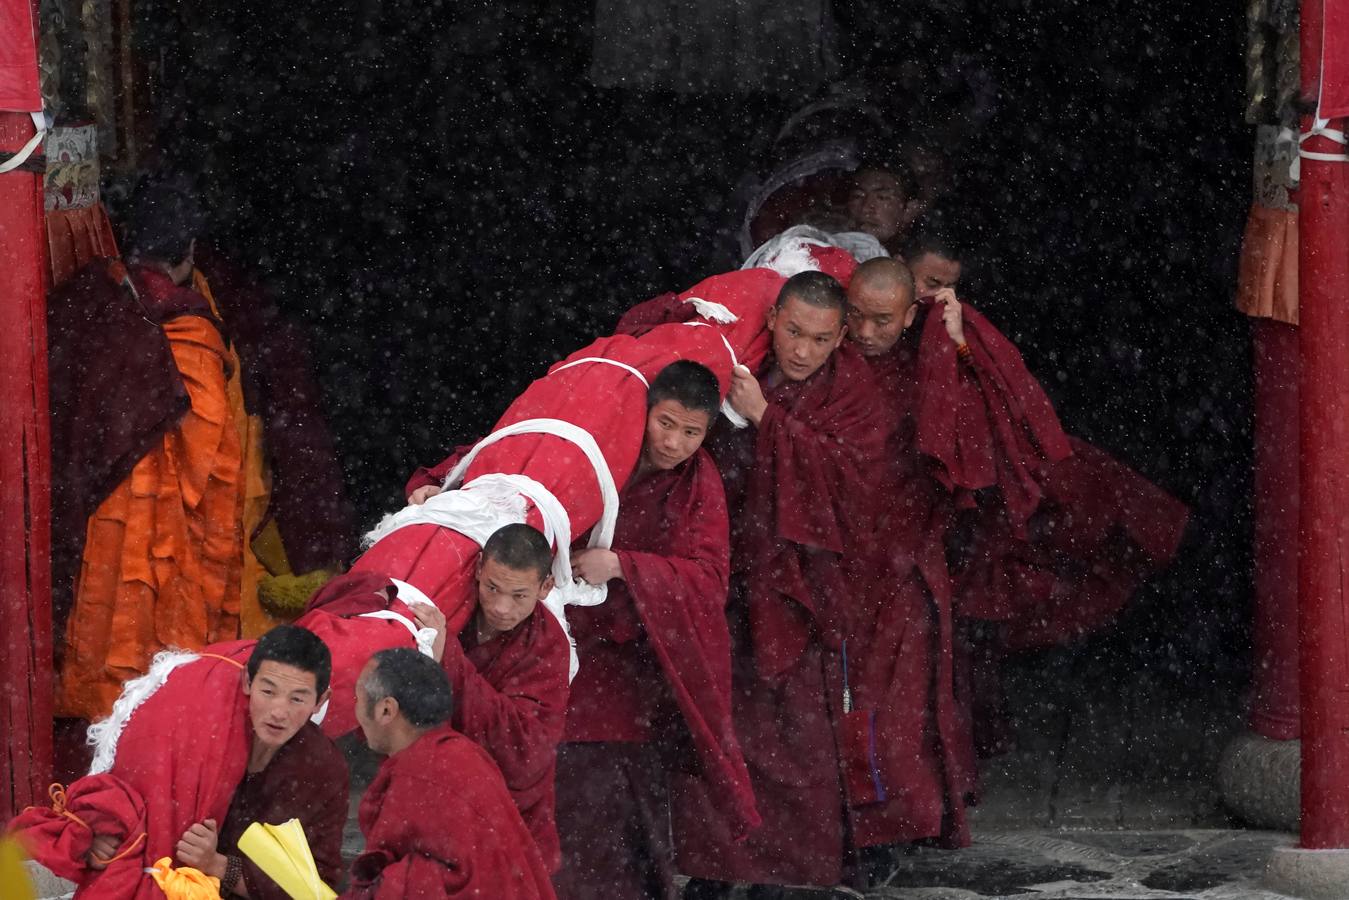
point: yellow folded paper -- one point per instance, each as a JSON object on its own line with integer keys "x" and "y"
{"x": 282, "y": 852}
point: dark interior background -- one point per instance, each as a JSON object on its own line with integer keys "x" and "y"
{"x": 437, "y": 189}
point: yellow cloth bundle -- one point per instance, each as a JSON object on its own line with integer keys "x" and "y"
{"x": 284, "y": 596}
{"x": 184, "y": 883}
{"x": 282, "y": 852}
{"x": 14, "y": 881}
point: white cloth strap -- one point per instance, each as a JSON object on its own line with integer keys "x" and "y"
{"x": 411, "y": 594}
{"x": 603, "y": 535}
{"x": 18, "y": 159}
{"x": 425, "y": 637}
{"x": 600, "y": 359}
{"x": 1321, "y": 128}
{"x": 736, "y": 420}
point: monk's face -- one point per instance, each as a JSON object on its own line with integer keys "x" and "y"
{"x": 673, "y": 434}
{"x": 281, "y": 698}
{"x": 932, "y": 272}
{"x": 878, "y": 313}
{"x": 803, "y": 336}
{"x": 506, "y": 596}
{"x": 876, "y": 204}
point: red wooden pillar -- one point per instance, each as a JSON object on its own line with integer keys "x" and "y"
{"x": 1323, "y": 309}
{"x": 1274, "y": 696}
{"x": 25, "y": 481}
{"x": 25, "y": 478}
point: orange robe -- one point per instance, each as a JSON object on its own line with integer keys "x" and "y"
{"x": 163, "y": 553}
{"x": 257, "y": 482}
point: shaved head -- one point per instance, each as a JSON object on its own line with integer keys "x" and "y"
{"x": 880, "y": 305}
{"x": 885, "y": 273}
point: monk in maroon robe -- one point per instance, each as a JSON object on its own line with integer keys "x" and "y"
{"x": 1048, "y": 556}
{"x": 438, "y": 820}
{"x": 294, "y": 771}
{"x": 978, "y": 443}
{"x": 225, "y": 741}
{"x": 652, "y": 697}
{"x": 797, "y": 483}
{"x": 902, "y": 639}
{"x": 509, "y": 668}
{"x": 1057, "y": 550}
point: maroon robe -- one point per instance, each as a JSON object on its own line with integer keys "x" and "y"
{"x": 307, "y": 779}
{"x": 653, "y": 691}
{"x": 902, "y": 644}
{"x": 1056, "y": 535}
{"x": 114, "y": 392}
{"x": 1100, "y": 531}
{"x": 510, "y": 696}
{"x": 438, "y": 822}
{"x": 1061, "y": 534}
{"x": 798, "y": 488}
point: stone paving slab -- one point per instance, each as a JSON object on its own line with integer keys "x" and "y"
{"x": 1067, "y": 865}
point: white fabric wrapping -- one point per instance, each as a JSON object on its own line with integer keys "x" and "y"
{"x": 717, "y": 312}
{"x": 861, "y": 245}
{"x": 104, "y": 735}
{"x": 789, "y": 253}
{"x": 603, "y": 534}
{"x": 492, "y": 501}
{"x": 473, "y": 512}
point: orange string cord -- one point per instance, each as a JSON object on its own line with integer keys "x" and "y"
{"x": 233, "y": 662}
{"x": 57, "y": 793}
{"x": 131, "y": 848}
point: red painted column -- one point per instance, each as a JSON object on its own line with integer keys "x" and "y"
{"x": 1323, "y": 312}
{"x": 25, "y": 482}
{"x": 1275, "y": 710}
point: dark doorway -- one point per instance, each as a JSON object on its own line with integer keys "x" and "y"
{"x": 442, "y": 195}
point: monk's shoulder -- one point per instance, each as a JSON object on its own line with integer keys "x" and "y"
{"x": 707, "y": 486}
{"x": 446, "y": 757}
{"x": 551, "y": 640}
{"x": 307, "y": 779}
{"x": 851, "y": 367}
{"x": 320, "y": 745}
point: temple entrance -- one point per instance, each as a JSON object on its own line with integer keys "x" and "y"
{"x": 449, "y": 198}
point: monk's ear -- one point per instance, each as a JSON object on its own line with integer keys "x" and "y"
{"x": 323, "y": 698}
{"x": 772, "y": 316}
{"x": 911, "y": 314}
{"x": 243, "y": 680}
{"x": 546, "y": 587}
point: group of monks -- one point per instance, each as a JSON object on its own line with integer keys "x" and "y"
{"x": 778, "y": 689}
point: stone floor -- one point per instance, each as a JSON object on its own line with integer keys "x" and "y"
{"x": 1083, "y": 865}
